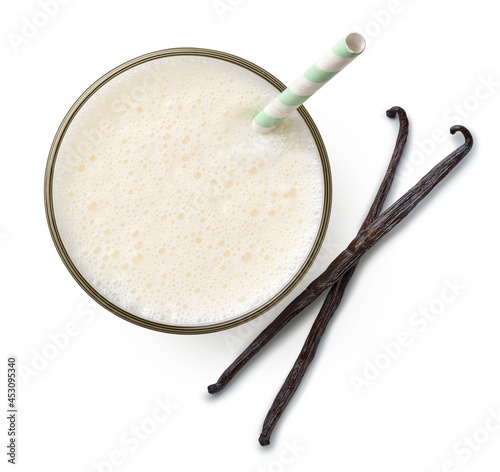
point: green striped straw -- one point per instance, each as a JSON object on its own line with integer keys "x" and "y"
{"x": 343, "y": 53}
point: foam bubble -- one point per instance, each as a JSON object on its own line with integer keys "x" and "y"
{"x": 172, "y": 207}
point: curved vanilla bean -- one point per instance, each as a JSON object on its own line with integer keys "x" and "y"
{"x": 351, "y": 256}
{"x": 306, "y": 297}
{"x": 386, "y": 183}
{"x": 335, "y": 295}
{"x": 374, "y": 232}
{"x": 388, "y": 220}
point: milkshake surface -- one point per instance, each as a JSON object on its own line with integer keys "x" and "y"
{"x": 172, "y": 207}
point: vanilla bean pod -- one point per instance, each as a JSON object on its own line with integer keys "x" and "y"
{"x": 335, "y": 295}
{"x": 302, "y": 300}
{"x": 339, "y": 272}
{"x": 389, "y": 219}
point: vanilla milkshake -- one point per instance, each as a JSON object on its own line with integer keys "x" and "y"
{"x": 172, "y": 207}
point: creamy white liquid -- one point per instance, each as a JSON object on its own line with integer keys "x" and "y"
{"x": 172, "y": 207}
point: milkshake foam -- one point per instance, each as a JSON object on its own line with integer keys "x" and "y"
{"x": 172, "y": 207}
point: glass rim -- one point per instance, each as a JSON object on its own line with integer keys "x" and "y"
{"x": 150, "y": 323}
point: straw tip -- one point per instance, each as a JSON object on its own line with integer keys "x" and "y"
{"x": 355, "y": 42}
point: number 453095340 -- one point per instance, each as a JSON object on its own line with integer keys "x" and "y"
{"x": 11, "y": 382}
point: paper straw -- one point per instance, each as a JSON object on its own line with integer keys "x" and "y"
{"x": 343, "y": 53}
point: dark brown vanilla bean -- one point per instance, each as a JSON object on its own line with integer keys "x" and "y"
{"x": 305, "y": 297}
{"x": 396, "y": 213}
{"x": 386, "y": 183}
{"x": 336, "y": 277}
{"x": 306, "y": 356}
{"x": 335, "y": 295}
{"x": 300, "y": 302}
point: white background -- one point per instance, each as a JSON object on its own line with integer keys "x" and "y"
{"x": 78, "y": 409}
